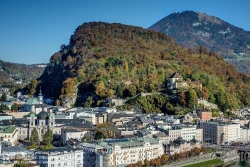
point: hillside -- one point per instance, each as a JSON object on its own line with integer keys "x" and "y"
{"x": 192, "y": 29}
{"x": 104, "y": 59}
{"x": 9, "y": 72}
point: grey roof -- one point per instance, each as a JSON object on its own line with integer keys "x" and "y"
{"x": 17, "y": 122}
{"x": 67, "y": 121}
{"x": 97, "y": 114}
{"x": 135, "y": 123}
{"x": 57, "y": 149}
{"x": 175, "y": 75}
{"x": 79, "y": 125}
{"x": 60, "y": 117}
{"x": 14, "y": 149}
{"x": 3, "y": 114}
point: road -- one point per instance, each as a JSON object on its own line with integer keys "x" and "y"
{"x": 191, "y": 160}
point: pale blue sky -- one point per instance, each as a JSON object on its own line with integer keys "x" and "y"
{"x": 31, "y": 31}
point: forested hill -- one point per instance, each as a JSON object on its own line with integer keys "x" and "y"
{"x": 191, "y": 29}
{"x": 104, "y": 59}
{"x": 9, "y": 72}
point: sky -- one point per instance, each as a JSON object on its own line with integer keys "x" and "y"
{"x": 32, "y": 31}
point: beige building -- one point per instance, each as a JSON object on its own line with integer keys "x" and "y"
{"x": 220, "y": 132}
{"x": 8, "y": 134}
{"x": 121, "y": 152}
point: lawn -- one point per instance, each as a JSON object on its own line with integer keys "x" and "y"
{"x": 208, "y": 163}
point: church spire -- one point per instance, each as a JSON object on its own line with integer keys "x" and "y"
{"x": 40, "y": 96}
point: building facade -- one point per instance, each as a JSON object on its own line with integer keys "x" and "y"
{"x": 8, "y": 134}
{"x": 121, "y": 152}
{"x": 220, "y": 132}
{"x": 59, "y": 157}
{"x": 204, "y": 114}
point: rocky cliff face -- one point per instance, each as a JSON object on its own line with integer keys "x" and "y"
{"x": 192, "y": 29}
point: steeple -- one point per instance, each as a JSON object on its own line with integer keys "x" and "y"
{"x": 40, "y": 97}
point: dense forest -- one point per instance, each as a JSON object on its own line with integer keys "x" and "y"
{"x": 104, "y": 60}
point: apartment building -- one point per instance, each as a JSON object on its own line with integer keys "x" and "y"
{"x": 58, "y": 157}
{"x": 244, "y": 134}
{"x": 220, "y": 132}
{"x": 185, "y": 132}
{"x": 121, "y": 152}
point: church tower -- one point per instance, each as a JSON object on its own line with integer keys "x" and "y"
{"x": 40, "y": 97}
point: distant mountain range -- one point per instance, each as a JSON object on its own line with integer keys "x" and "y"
{"x": 20, "y": 73}
{"x": 192, "y": 29}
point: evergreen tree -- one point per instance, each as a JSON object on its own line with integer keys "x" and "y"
{"x": 14, "y": 107}
{"x": 48, "y": 137}
{"x": 4, "y": 107}
{"x": 3, "y": 97}
{"x": 34, "y": 139}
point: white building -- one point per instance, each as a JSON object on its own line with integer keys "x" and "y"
{"x": 4, "y": 116}
{"x": 114, "y": 101}
{"x": 59, "y": 157}
{"x": 187, "y": 133}
{"x": 220, "y": 132}
{"x": 15, "y": 152}
{"x": 121, "y": 152}
{"x": 106, "y": 109}
{"x": 8, "y": 134}
{"x": 86, "y": 113}
{"x": 67, "y": 134}
{"x": 244, "y": 134}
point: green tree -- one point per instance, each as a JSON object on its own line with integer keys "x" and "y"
{"x": 119, "y": 92}
{"x": 20, "y": 163}
{"x": 222, "y": 101}
{"x": 99, "y": 135}
{"x": 4, "y": 107}
{"x": 14, "y": 107}
{"x": 34, "y": 139}
{"x": 191, "y": 98}
{"x": 89, "y": 101}
{"x": 132, "y": 90}
{"x": 48, "y": 137}
{"x": 3, "y": 97}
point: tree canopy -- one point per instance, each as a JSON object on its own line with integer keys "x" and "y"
{"x": 34, "y": 138}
